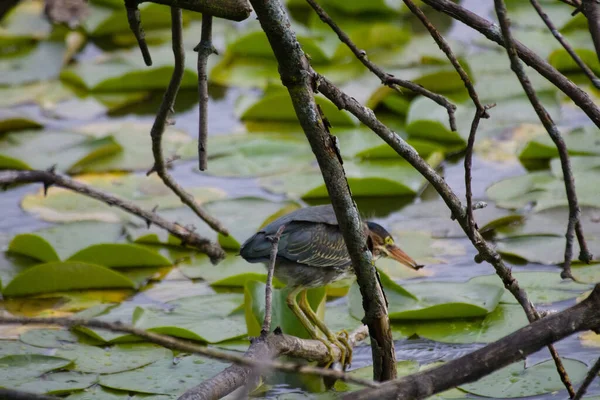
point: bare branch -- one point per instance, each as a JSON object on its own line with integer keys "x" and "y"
{"x": 135, "y": 24}
{"x": 591, "y": 9}
{"x": 586, "y": 70}
{"x": 491, "y": 31}
{"x": 592, "y": 374}
{"x": 387, "y": 79}
{"x": 162, "y": 119}
{"x": 318, "y": 349}
{"x": 205, "y": 49}
{"x": 266, "y": 326}
{"x": 265, "y": 348}
{"x": 473, "y": 366}
{"x": 50, "y": 178}
{"x": 235, "y": 10}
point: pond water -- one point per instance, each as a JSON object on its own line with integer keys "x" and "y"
{"x": 423, "y": 212}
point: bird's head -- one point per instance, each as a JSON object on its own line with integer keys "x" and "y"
{"x": 384, "y": 246}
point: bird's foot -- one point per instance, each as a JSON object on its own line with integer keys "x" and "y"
{"x": 330, "y": 352}
{"x": 344, "y": 338}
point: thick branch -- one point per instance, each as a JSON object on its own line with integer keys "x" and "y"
{"x": 387, "y": 79}
{"x": 318, "y": 349}
{"x": 235, "y": 10}
{"x": 586, "y": 70}
{"x": 49, "y": 178}
{"x": 265, "y": 348}
{"x": 516, "y": 346}
{"x": 205, "y": 49}
{"x": 492, "y": 32}
{"x": 591, "y": 9}
{"x": 296, "y": 76}
{"x": 162, "y": 119}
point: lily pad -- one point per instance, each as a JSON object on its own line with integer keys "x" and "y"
{"x": 516, "y": 381}
{"x": 42, "y": 149}
{"x": 183, "y": 374}
{"x": 14, "y": 121}
{"x": 49, "y": 338}
{"x": 11, "y": 347}
{"x": 111, "y": 313}
{"x": 233, "y": 271}
{"x": 59, "y": 242}
{"x": 117, "y": 358}
{"x": 403, "y": 368}
{"x": 24, "y": 23}
{"x": 282, "y": 316}
{"x": 116, "y": 255}
{"x": 107, "y": 21}
{"x": 24, "y": 367}
{"x": 43, "y": 61}
{"x": 427, "y": 300}
{"x": 63, "y": 205}
{"x": 210, "y": 318}
{"x": 579, "y": 142}
{"x": 42, "y": 278}
{"x": 58, "y": 383}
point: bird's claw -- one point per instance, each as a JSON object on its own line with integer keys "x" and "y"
{"x": 344, "y": 338}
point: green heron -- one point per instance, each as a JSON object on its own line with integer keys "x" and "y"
{"x": 312, "y": 253}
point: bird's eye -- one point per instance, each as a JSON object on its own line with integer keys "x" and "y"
{"x": 389, "y": 240}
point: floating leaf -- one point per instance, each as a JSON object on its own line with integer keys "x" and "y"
{"x": 282, "y": 316}
{"x": 24, "y": 367}
{"x": 63, "y": 205}
{"x": 586, "y": 273}
{"x": 403, "y": 368}
{"x": 579, "y": 142}
{"x": 14, "y": 121}
{"x": 24, "y": 23}
{"x": 106, "y": 21}
{"x": 67, "y": 275}
{"x": 426, "y": 300}
{"x": 57, "y": 383}
{"x": 117, "y": 358}
{"x": 41, "y": 62}
{"x": 209, "y": 318}
{"x": 10, "y": 347}
{"x": 517, "y": 381}
{"x": 43, "y": 149}
{"x": 49, "y": 338}
{"x": 120, "y": 255}
{"x": 59, "y": 242}
{"x": 183, "y": 374}
{"x": 110, "y": 313}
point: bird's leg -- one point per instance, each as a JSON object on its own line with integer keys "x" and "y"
{"x": 343, "y": 345}
{"x": 344, "y": 337}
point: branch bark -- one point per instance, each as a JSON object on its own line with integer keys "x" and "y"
{"x": 162, "y": 119}
{"x": 492, "y": 32}
{"x": 592, "y": 374}
{"x": 235, "y": 10}
{"x": 475, "y": 365}
{"x": 50, "y": 178}
{"x": 591, "y": 9}
{"x": 205, "y": 48}
{"x": 296, "y": 75}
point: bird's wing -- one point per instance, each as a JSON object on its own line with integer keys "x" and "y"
{"x": 317, "y": 245}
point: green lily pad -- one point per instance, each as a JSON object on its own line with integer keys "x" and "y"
{"x": 183, "y": 374}
{"x": 120, "y": 255}
{"x": 403, "y": 368}
{"x": 23, "y": 367}
{"x": 579, "y": 142}
{"x": 42, "y": 278}
{"x": 504, "y": 320}
{"x": 11, "y": 347}
{"x": 58, "y": 383}
{"x": 427, "y": 300}
{"x": 107, "y": 21}
{"x": 14, "y": 121}
{"x": 43, "y": 61}
{"x": 98, "y": 392}
{"x": 24, "y": 23}
{"x": 233, "y": 271}
{"x": 209, "y": 318}
{"x": 62, "y": 205}
{"x": 516, "y": 381}
{"x": 59, "y": 242}
{"x": 587, "y": 273}
{"x": 111, "y": 313}
{"x": 43, "y": 149}
{"x": 117, "y": 358}
{"x": 282, "y": 316}
{"x": 49, "y": 337}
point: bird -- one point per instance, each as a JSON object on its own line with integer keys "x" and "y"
{"x": 312, "y": 253}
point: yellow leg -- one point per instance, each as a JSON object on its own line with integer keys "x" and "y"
{"x": 341, "y": 343}
{"x": 310, "y": 327}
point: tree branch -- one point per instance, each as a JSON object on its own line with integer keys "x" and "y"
{"x": 135, "y": 24}
{"x": 492, "y": 32}
{"x": 295, "y": 74}
{"x": 205, "y": 49}
{"x": 591, "y": 9}
{"x": 235, "y": 10}
{"x": 592, "y": 374}
{"x": 586, "y": 70}
{"x": 473, "y": 366}
{"x": 265, "y": 348}
{"x": 50, "y": 178}
{"x": 162, "y": 119}
{"x": 386, "y": 78}
{"x": 313, "y": 350}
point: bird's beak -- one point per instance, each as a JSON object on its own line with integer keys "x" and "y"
{"x": 397, "y": 254}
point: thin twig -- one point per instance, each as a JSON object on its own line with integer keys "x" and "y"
{"x": 386, "y": 78}
{"x": 162, "y": 119}
{"x": 188, "y": 347}
{"x": 135, "y": 24}
{"x": 592, "y": 374}
{"x": 205, "y": 48}
{"x": 491, "y": 31}
{"x": 572, "y": 3}
{"x": 591, "y": 9}
{"x": 266, "y": 326}
{"x": 50, "y": 178}
{"x": 586, "y": 70}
